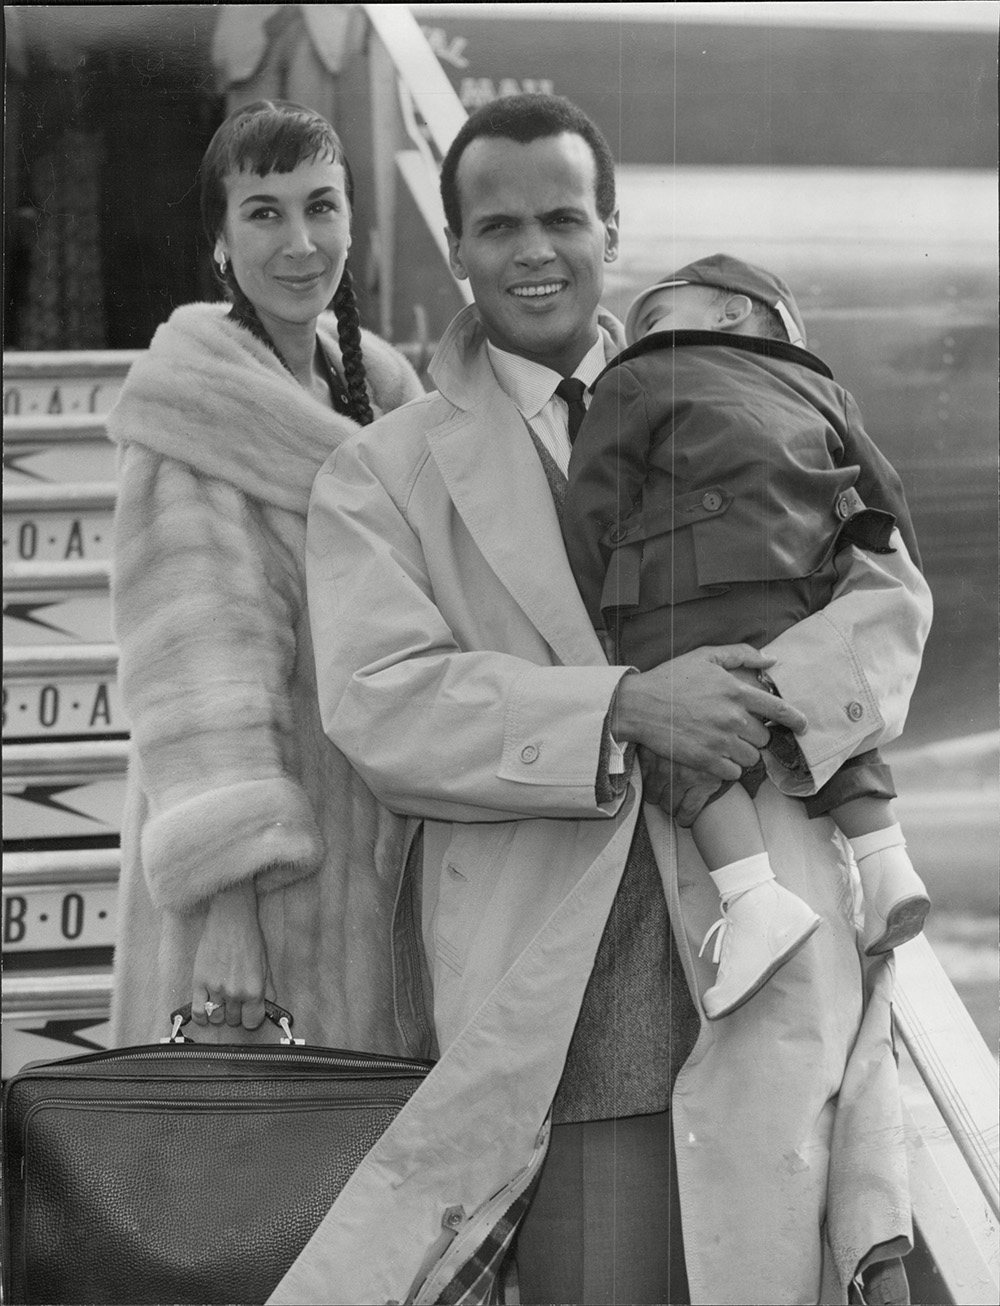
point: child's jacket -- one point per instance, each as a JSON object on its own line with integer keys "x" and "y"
{"x": 728, "y": 469}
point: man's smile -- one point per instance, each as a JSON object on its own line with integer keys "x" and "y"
{"x": 538, "y": 290}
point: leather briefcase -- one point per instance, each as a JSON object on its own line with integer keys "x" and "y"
{"x": 183, "y": 1172}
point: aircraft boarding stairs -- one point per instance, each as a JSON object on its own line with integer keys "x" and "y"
{"x": 66, "y": 738}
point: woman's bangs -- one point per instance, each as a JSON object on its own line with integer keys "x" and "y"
{"x": 262, "y": 145}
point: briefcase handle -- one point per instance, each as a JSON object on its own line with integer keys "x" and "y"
{"x": 278, "y": 1016}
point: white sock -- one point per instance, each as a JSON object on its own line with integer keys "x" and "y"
{"x": 866, "y": 844}
{"x": 736, "y": 877}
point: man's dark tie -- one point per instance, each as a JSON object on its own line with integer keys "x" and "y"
{"x": 571, "y": 390}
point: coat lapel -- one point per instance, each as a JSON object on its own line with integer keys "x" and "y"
{"x": 496, "y": 481}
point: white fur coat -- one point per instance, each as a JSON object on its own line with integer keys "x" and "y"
{"x": 231, "y": 774}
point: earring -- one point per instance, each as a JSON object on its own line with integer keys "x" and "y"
{"x": 222, "y": 266}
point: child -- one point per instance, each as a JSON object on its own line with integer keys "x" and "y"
{"x": 715, "y": 477}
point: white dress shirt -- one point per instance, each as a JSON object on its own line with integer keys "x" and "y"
{"x": 532, "y": 388}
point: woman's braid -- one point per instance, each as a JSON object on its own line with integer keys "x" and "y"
{"x": 349, "y": 333}
{"x": 244, "y": 314}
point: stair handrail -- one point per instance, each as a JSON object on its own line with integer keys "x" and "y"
{"x": 416, "y": 114}
{"x": 420, "y": 72}
{"x": 952, "y": 1059}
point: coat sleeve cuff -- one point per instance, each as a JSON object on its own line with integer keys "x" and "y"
{"x": 868, "y": 641}
{"x": 615, "y": 764}
{"x": 259, "y": 828}
{"x": 556, "y": 730}
{"x": 842, "y": 722}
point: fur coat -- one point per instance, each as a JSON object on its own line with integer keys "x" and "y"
{"x": 231, "y": 775}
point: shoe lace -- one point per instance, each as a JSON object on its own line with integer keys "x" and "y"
{"x": 719, "y": 930}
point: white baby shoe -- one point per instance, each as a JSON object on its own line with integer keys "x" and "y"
{"x": 895, "y": 897}
{"x": 760, "y": 929}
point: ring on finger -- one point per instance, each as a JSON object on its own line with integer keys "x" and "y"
{"x": 212, "y": 1006}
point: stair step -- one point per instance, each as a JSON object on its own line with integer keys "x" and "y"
{"x": 55, "y": 383}
{"x": 55, "y": 1013}
{"x": 58, "y": 901}
{"x": 64, "y": 790}
{"x": 58, "y": 523}
{"x": 61, "y": 450}
{"x": 36, "y": 995}
{"x": 61, "y": 866}
{"x": 56, "y": 603}
{"x": 54, "y": 692}
{"x": 55, "y": 904}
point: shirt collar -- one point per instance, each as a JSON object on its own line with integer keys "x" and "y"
{"x": 531, "y": 385}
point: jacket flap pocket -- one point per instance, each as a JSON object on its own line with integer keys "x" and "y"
{"x": 685, "y": 510}
{"x": 769, "y": 540}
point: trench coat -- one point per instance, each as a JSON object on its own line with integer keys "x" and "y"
{"x": 470, "y": 690}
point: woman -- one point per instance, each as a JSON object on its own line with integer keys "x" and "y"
{"x": 255, "y": 862}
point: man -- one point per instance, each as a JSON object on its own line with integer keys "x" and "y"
{"x": 458, "y": 670}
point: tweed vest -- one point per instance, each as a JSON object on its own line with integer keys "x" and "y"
{"x": 637, "y": 1022}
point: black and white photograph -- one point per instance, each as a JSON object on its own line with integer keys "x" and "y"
{"x": 405, "y": 898}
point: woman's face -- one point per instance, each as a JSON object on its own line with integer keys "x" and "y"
{"x": 287, "y": 235}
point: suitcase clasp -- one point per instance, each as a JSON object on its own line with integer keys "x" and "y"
{"x": 175, "y": 1034}
{"x": 286, "y": 1026}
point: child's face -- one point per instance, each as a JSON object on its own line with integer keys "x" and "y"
{"x": 680, "y": 308}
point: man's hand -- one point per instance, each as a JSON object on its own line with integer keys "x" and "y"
{"x": 692, "y": 712}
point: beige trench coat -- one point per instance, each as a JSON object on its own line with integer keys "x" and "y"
{"x": 470, "y": 690}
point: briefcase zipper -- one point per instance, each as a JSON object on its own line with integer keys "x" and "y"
{"x": 207, "y": 1052}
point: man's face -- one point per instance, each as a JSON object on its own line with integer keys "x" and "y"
{"x": 533, "y": 246}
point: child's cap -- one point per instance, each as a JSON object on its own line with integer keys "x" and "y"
{"x": 728, "y": 273}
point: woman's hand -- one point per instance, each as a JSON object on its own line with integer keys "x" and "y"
{"x": 230, "y": 966}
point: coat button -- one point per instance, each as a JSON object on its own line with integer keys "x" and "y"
{"x": 855, "y": 711}
{"x": 843, "y": 507}
{"x": 529, "y": 754}
{"x": 618, "y": 534}
{"x": 711, "y": 500}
